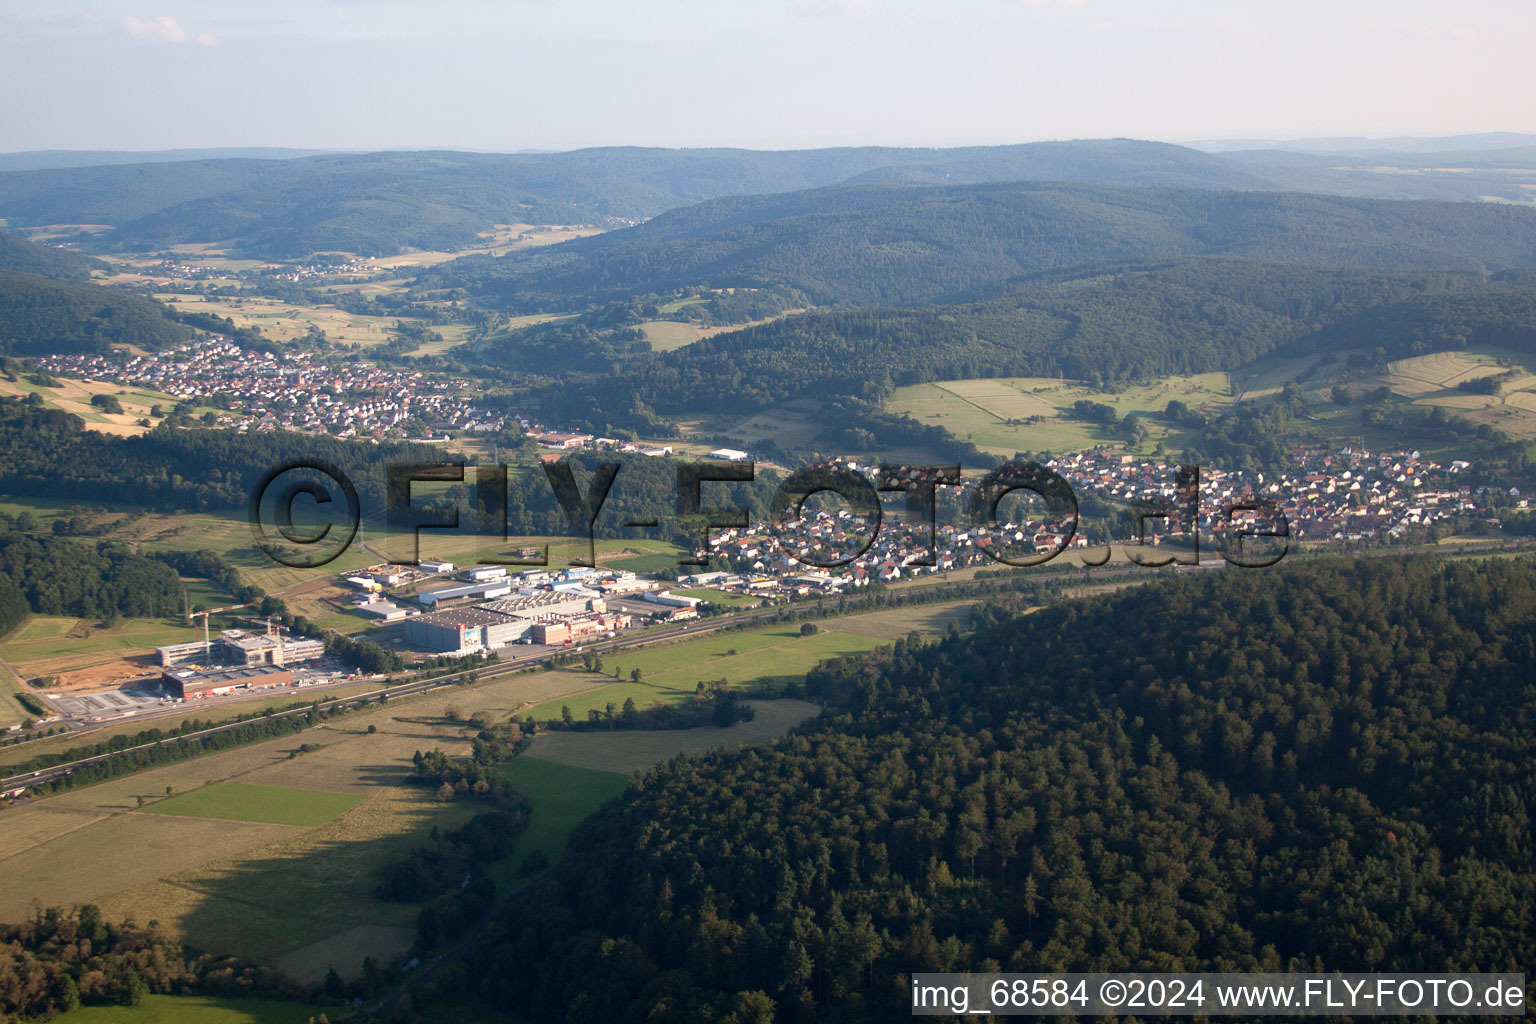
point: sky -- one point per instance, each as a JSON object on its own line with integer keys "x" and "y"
{"x": 506, "y": 75}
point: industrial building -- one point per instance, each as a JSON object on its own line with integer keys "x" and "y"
{"x": 646, "y": 609}
{"x": 184, "y": 683}
{"x": 269, "y": 648}
{"x": 566, "y": 630}
{"x": 541, "y": 603}
{"x": 671, "y": 600}
{"x": 242, "y": 647}
{"x": 460, "y": 630}
{"x": 180, "y": 654}
{"x": 384, "y": 611}
{"x": 465, "y": 592}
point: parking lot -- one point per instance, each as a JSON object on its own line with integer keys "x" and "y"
{"x": 107, "y": 704}
{"x": 148, "y": 696}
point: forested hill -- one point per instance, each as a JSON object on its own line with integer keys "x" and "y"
{"x": 1193, "y": 316}
{"x": 45, "y": 453}
{"x": 1317, "y": 767}
{"x": 902, "y": 245}
{"x": 380, "y": 203}
{"x": 1504, "y": 318}
{"x": 42, "y": 316}
{"x": 19, "y": 255}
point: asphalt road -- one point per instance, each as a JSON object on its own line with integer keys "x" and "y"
{"x": 509, "y": 663}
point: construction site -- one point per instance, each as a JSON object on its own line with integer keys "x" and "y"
{"x": 237, "y": 659}
{"x": 225, "y": 662}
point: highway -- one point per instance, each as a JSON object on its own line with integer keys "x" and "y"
{"x": 508, "y": 664}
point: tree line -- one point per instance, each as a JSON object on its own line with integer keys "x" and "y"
{"x": 1325, "y": 766}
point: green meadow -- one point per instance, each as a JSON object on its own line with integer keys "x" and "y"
{"x": 273, "y": 805}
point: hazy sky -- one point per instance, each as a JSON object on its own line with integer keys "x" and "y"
{"x": 557, "y": 74}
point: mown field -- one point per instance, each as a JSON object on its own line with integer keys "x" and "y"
{"x": 260, "y": 889}
{"x": 670, "y": 673}
{"x": 669, "y": 335}
{"x": 286, "y": 322}
{"x": 74, "y": 396}
{"x": 1007, "y": 415}
{"x": 722, "y": 598}
{"x": 57, "y": 638}
{"x": 274, "y": 805}
{"x": 630, "y": 751}
{"x": 273, "y": 853}
{"x": 11, "y": 710}
{"x": 194, "y": 1010}
{"x": 563, "y": 796}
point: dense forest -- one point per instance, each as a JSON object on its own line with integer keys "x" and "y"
{"x": 377, "y": 203}
{"x": 1325, "y": 766}
{"x": 1501, "y": 318}
{"x": 92, "y": 580}
{"x": 64, "y": 959}
{"x": 291, "y": 205}
{"x": 1103, "y": 327}
{"x": 49, "y": 454}
{"x": 877, "y": 245}
{"x": 45, "y": 453}
{"x": 42, "y": 316}
{"x": 23, "y": 257}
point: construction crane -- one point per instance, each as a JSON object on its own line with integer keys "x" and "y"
{"x": 207, "y": 643}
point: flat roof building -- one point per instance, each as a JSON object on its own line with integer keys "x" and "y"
{"x": 184, "y": 683}
{"x": 384, "y": 611}
{"x": 465, "y": 591}
{"x": 545, "y": 602}
{"x": 240, "y": 647}
{"x": 461, "y": 630}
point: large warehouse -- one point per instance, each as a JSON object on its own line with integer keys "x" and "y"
{"x": 545, "y": 602}
{"x": 459, "y": 630}
{"x": 184, "y": 683}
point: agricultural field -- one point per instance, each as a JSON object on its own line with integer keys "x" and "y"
{"x": 284, "y": 321}
{"x": 631, "y": 751}
{"x": 752, "y": 659}
{"x": 1008, "y": 415}
{"x": 563, "y": 794}
{"x": 273, "y": 805}
{"x": 57, "y": 638}
{"x": 258, "y": 888}
{"x": 272, "y": 854}
{"x": 670, "y": 335}
{"x": 1431, "y": 380}
{"x": 194, "y": 1010}
{"x": 11, "y": 710}
{"x": 722, "y": 598}
{"x": 74, "y": 396}
{"x": 895, "y": 623}
{"x": 790, "y": 425}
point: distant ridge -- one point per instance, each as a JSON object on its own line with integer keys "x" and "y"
{"x": 1363, "y": 144}
{"x": 47, "y": 159}
{"x": 285, "y": 204}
